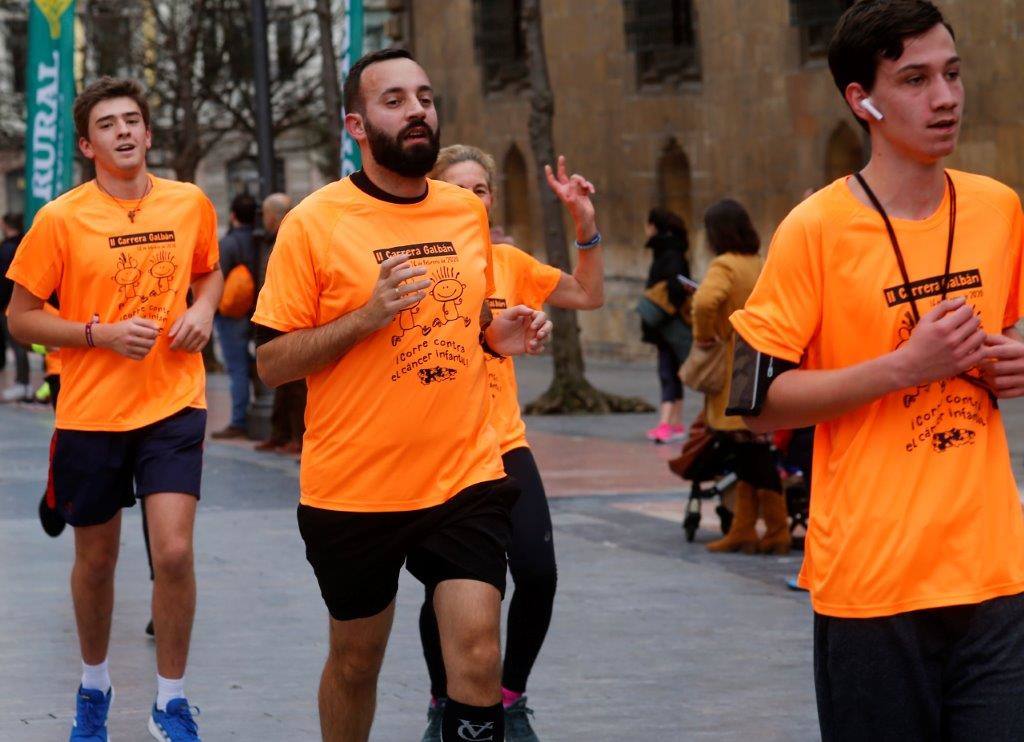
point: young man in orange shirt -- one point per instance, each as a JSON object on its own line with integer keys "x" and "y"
{"x": 885, "y": 315}
{"x": 376, "y": 294}
{"x": 121, "y": 252}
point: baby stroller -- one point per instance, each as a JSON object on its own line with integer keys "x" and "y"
{"x": 706, "y": 458}
{"x": 709, "y": 460}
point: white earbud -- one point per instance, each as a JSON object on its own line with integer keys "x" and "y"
{"x": 870, "y": 108}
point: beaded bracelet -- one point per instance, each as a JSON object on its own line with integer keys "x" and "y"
{"x": 591, "y": 243}
{"x": 88, "y": 332}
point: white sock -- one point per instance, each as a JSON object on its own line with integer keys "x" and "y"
{"x": 96, "y": 677}
{"x": 167, "y": 690}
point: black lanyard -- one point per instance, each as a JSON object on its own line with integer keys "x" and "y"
{"x": 903, "y": 266}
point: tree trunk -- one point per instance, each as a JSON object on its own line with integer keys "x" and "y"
{"x": 569, "y": 391}
{"x": 332, "y": 97}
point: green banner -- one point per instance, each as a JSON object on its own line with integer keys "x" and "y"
{"x": 49, "y": 94}
{"x": 351, "y": 51}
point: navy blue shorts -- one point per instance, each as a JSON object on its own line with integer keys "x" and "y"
{"x": 96, "y": 473}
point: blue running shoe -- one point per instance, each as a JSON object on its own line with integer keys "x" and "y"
{"x": 91, "y": 715}
{"x": 435, "y": 713}
{"x": 517, "y": 723}
{"x": 175, "y": 724}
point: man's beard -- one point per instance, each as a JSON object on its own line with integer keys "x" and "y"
{"x": 409, "y": 162}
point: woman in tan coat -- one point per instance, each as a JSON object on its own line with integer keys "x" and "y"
{"x": 729, "y": 280}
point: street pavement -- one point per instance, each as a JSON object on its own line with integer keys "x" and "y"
{"x": 652, "y": 637}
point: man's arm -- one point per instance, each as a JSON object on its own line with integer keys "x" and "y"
{"x": 948, "y": 341}
{"x": 30, "y": 323}
{"x": 300, "y": 353}
{"x": 191, "y": 332}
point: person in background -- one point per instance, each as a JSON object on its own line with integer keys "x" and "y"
{"x": 668, "y": 331}
{"x": 287, "y": 418}
{"x": 237, "y": 248}
{"x": 730, "y": 278}
{"x": 12, "y": 232}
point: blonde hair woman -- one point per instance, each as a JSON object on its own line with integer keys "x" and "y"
{"x": 519, "y": 278}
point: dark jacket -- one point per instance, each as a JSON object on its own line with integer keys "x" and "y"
{"x": 668, "y": 261}
{"x": 238, "y": 246}
{"x": 7, "y": 249}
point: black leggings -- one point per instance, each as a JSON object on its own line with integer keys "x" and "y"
{"x": 668, "y": 373}
{"x": 532, "y": 563}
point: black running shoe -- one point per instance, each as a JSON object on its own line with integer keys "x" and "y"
{"x": 50, "y": 519}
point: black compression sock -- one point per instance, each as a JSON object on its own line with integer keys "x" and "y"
{"x": 462, "y": 723}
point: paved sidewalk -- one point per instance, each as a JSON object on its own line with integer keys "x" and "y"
{"x": 652, "y": 637}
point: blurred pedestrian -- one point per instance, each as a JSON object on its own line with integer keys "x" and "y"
{"x": 664, "y": 316}
{"x": 729, "y": 280}
{"x": 287, "y": 418}
{"x": 239, "y": 266}
{"x": 12, "y": 233}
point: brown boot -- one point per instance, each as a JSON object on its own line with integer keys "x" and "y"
{"x": 776, "y": 520}
{"x": 741, "y": 536}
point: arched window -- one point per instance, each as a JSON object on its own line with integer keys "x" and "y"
{"x": 845, "y": 153}
{"x": 516, "y": 196}
{"x": 674, "y": 181}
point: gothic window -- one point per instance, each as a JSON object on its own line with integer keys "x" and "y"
{"x": 516, "y": 198}
{"x": 663, "y": 37}
{"x": 816, "y": 20}
{"x": 500, "y": 43}
{"x": 674, "y": 181}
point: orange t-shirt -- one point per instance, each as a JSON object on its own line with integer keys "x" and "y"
{"x": 519, "y": 278}
{"x": 914, "y": 503}
{"x": 400, "y": 421}
{"x": 83, "y": 246}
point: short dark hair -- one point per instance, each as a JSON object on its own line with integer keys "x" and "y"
{"x": 729, "y": 229}
{"x": 243, "y": 206}
{"x": 104, "y": 89}
{"x": 665, "y": 220}
{"x": 873, "y": 30}
{"x": 15, "y": 221}
{"x": 353, "y": 95}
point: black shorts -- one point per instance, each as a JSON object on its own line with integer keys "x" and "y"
{"x": 357, "y": 557}
{"x": 95, "y": 473}
{"x": 953, "y": 674}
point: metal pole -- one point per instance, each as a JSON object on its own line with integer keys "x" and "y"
{"x": 261, "y": 78}
{"x": 259, "y": 413}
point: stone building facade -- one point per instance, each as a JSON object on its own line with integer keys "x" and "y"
{"x": 684, "y": 102}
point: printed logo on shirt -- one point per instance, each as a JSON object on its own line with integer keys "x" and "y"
{"x": 929, "y": 287}
{"x": 140, "y": 239}
{"x": 496, "y": 304}
{"x": 420, "y": 250}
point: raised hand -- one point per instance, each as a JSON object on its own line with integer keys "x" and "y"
{"x": 191, "y": 331}
{"x": 133, "y": 338}
{"x": 395, "y": 291}
{"x": 575, "y": 192}
{"x": 946, "y": 342}
{"x": 519, "y": 330}
{"x": 1003, "y": 367}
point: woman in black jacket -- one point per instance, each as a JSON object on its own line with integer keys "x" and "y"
{"x": 669, "y": 331}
